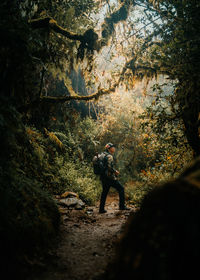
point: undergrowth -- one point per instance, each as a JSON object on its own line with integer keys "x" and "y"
{"x": 29, "y": 215}
{"x": 64, "y": 161}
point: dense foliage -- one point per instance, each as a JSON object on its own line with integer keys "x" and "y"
{"x": 53, "y": 53}
{"x": 178, "y": 55}
{"x": 29, "y": 216}
{"x": 30, "y": 162}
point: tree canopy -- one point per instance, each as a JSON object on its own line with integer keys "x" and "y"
{"x": 53, "y": 37}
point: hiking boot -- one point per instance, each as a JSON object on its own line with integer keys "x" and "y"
{"x": 124, "y": 208}
{"x": 102, "y": 211}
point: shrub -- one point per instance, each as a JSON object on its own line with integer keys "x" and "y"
{"x": 77, "y": 176}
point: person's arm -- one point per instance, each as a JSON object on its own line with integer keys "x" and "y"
{"x": 111, "y": 169}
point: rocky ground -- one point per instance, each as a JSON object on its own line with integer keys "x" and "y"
{"x": 88, "y": 242}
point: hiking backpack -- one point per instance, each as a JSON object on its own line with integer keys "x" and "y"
{"x": 99, "y": 163}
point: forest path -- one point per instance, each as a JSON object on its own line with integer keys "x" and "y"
{"x": 88, "y": 242}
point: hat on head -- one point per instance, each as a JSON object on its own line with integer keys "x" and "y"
{"x": 109, "y": 145}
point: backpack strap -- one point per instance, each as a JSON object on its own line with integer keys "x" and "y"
{"x": 105, "y": 158}
{"x": 110, "y": 168}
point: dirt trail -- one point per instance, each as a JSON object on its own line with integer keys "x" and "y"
{"x": 88, "y": 242}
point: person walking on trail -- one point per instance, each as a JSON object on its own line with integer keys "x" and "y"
{"x": 109, "y": 179}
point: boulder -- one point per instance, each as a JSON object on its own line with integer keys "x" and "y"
{"x": 69, "y": 194}
{"x": 161, "y": 240}
{"x": 72, "y": 202}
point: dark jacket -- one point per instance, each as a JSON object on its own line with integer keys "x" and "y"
{"x": 110, "y": 170}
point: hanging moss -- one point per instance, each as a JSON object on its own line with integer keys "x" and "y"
{"x": 117, "y": 16}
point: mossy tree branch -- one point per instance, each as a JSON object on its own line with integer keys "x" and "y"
{"x": 67, "y": 98}
{"x": 50, "y": 23}
{"x": 89, "y": 40}
{"x": 63, "y": 99}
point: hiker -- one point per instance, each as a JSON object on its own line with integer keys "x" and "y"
{"x": 109, "y": 179}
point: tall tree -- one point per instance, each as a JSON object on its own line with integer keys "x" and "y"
{"x": 178, "y": 54}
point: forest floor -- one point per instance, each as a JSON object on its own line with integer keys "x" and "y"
{"x": 88, "y": 242}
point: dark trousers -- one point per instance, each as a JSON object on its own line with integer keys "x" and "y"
{"x": 106, "y": 184}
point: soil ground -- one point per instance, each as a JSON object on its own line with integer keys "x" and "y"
{"x": 88, "y": 242}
